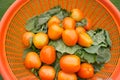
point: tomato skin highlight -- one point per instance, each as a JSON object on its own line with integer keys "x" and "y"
{"x": 69, "y": 37}
{"x": 84, "y": 39}
{"x": 86, "y": 71}
{"x": 47, "y": 73}
{"x": 52, "y": 20}
{"x": 55, "y": 31}
{"x": 70, "y": 63}
{"x": 48, "y": 54}
{"x": 66, "y": 76}
{"x": 76, "y": 14}
{"x": 68, "y": 23}
{"x": 32, "y": 60}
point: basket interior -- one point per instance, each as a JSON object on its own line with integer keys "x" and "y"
{"x": 100, "y": 19}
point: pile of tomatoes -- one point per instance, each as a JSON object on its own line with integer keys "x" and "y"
{"x": 70, "y": 65}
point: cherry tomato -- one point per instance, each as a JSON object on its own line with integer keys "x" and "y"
{"x": 70, "y": 37}
{"x": 70, "y": 63}
{"x": 84, "y": 39}
{"x": 80, "y": 29}
{"x": 66, "y": 76}
{"x": 69, "y": 23}
{"x": 55, "y": 31}
{"x": 47, "y": 73}
{"x": 76, "y": 14}
{"x": 40, "y": 40}
{"x": 86, "y": 71}
{"x": 32, "y": 60}
{"x": 26, "y": 38}
{"x": 48, "y": 54}
{"x": 52, "y": 20}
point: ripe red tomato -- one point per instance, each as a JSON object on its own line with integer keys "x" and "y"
{"x": 70, "y": 37}
{"x": 48, "y": 54}
{"x": 86, "y": 71}
{"x": 69, "y": 23}
{"x": 70, "y": 63}
{"x": 76, "y": 14}
{"x": 55, "y": 31}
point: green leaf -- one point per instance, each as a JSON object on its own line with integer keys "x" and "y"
{"x": 30, "y": 25}
{"x": 103, "y": 55}
{"x": 26, "y": 51}
{"x": 90, "y": 58}
{"x": 35, "y": 49}
{"x": 93, "y": 49}
{"x": 62, "y": 14}
{"x": 108, "y": 40}
{"x": 59, "y": 55}
{"x": 62, "y": 48}
{"x": 97, "y": 67}
{"x": 40, "y": 28}
{"x": 80, "y": 53}
{"x": 91, "y": 33}
{"x": 35, "y": 72}
{"x": 66, "y": 13}
{"x": 56, "y": 66}
{"x": 43, "y": 18}
{"x": 81, "y": 78}
{"x": 82, "y": 23}
{"x": 54, "y": 10}
{"x": 99, "y": 37}
{"x": 31, "y": 42}
{"x": 85, "y": 57}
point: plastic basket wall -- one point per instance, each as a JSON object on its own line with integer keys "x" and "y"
{"x": 91, "y": 8}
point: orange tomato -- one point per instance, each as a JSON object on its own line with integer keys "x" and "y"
{"x": 48, "y": 54}
{"x": 86, "y": 71}
{"x": 70, "y": 37}
{"x": 88, "y": 26}
{"x": 69, "y": 23}
{"x": 55, "y": 31}
{"x": 70, "y": 63}
{"x": 76, "y": 14}
{"x": 46, "y": 73}
{"x": 80, "y": 29}
{"x": 32, "y": 60}
{"x": 66, "y": 76}
{"x": 52, "y": 20}
{"x": 84, "y": 39}
{"x": 40, "y": 40}
{"x": 26, "y": 38}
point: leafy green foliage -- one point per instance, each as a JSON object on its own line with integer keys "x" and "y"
{"x": 35, "y": 72}
{"x": 62, "y": 48}
{"x": 103, "y": 55}
{"x": 97, "y": 67}
{"x": 100, "y": 36}
{"x": 39, "y": 23}
{"x": 82, "y": 23}
{"x": 56, "y": 66}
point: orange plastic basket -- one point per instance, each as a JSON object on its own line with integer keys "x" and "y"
{"x": 102, "y": 13}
